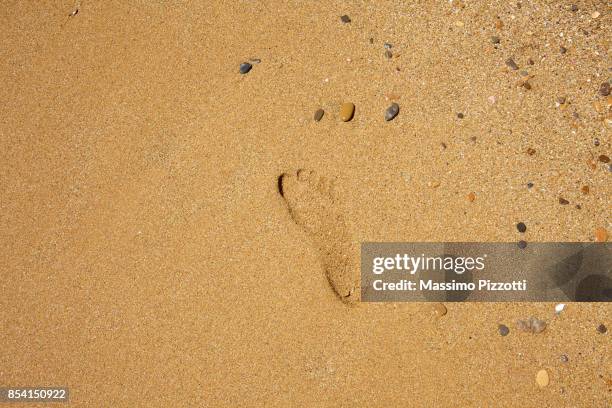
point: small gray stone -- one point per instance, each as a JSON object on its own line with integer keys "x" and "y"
{"x": 562, "y": 49}
{"x": 245, "y": 67}
{"x": 388, "y": 46}
{"x": 604, "y": 89}
{"x": 511, "y": 64}
{"x": 391, "y": 112}
{"x": 495, "y": 39}
{"x": 345, "y": 19}
{"x": 503, "y": 330}
{"x": 564, "y": 358}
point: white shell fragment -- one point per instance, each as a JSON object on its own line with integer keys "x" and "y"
{"x": 559, "y": 308}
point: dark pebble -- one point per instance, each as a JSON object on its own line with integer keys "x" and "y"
{"x": 319, "y": 115}
{"x": 526, "y": 85}
{"x": 345, "y": 19}
{"x": 529, "y": 185}
{"x": 562, "y": 49}
{"x": 245, "y": 67}
{"x": 495, "y": 39}
{"x": 371, "y": 40}
{"x": 563, "y": 201}
{"x": 574, "y": 8}
{"x": 596, "y": 142}
{"x": 561, "y": 100}
{"x": 460, "y": 115}
{"x": 604, "y": 89}
{"x": 391, "y": 112}
{"x": 604, "y": 159}
{"x": 530, "y": 61}
{"x": 602, "y": 328}
{"x": 521, "y": 227}
{"x": 564, "y": 358}
{"x": 511, "y": 64}
{"x": 503, "y": 330}
{"x": 522, "y": 244}
{"x": 388, "y": 54}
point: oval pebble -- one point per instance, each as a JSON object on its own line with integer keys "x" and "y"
{"x": 245, "y": 67}
{"x": 542, "y": 378}
{"x": 391, "y": 112}
{"x": 319, "y": 115}
{"x": 439, "y": 309}
{"x": 503, "y": 330}
{"x": 347, "y": 111}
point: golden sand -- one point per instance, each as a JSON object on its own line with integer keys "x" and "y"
{"x": 148, "y": 259}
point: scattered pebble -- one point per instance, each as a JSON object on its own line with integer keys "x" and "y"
{"x": 503, "y": 330}
{"x": 391, "y": 112}
{"x": 596, "y": 142}
{"x": 526, "y": 85}
{"x": 602, "y": 328}
{"x": 531, "y": 151}
{"x": 460, "y": 115}
{"x": 345, "y": 19}
{"x": 319, "y": 115}
{"x": 563, "y": 201}
{"x": 347, "y": 111}
{"x": 73, "y": 13}
{"x": 561, "y": 100}
{"x": 492, "y": 100}
{"x": 585, "y": 189}
{"x": 388, "y": 46}
{"x": 471, "y": 197}
{"x": 530, "y": 185}
{"x": 559, "y": 308}
{"x": 522, "y": 244}
{"x": 531, "y": 325}
{"x": 542, "y": 378}
{"x": 562, "y": 49}
{"x": 511, "y": 64}
{"x": 601, "y": 235}
{"x": 604, "y": 89}
{"x": 434, "y": 184}
{"x": 388, "y": 54}
{"x": 495, "y": 39}
{"x": 245, "y": 67}
{"x": 530, "y": 61}
{"x": 604, "y": 159}
{"x": 439, "y": 309}
{"x": 574, "y": 8}
{"x": 595, "y": 14}
{"x": 255, "y": 60}
{"x": 563, "y": 358}
{"x": 521, "y": 227}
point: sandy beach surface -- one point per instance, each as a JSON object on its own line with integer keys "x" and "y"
{"x": 148, "y": 258}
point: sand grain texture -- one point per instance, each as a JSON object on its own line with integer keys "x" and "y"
{"x": 148, "y": 259}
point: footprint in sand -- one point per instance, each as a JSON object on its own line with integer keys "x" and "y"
{"x": 313, "y": 205}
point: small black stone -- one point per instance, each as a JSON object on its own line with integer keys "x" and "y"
{"x": 521, "y": 227}
{"x": 245, "y": 67}
{"x": 522, "y": 244}
{"x": 503, "y": 330}
{"x": 562, "y": 50}
{"x": 602, "y": 328}
{"x": 530, "y": 185}
{"x": 345, "y": 19}
{"x": 460, "y": 115}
